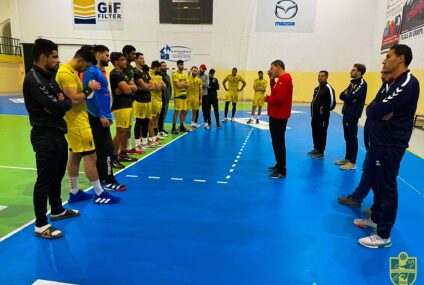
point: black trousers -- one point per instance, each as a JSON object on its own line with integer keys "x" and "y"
{"x": 205, "y": 104}
{"x": 350, "y": 130}
{"x": 163, "y": 111}
{"x": 364, "y": 186}
{"x": 319, "y": 132}
{"x": 384, "y": 164}
{"x": 51, "y": 155}
{"x": 212, "y": 102}
{"x": 104, "y": 149}
{"x": 277, "y": 128}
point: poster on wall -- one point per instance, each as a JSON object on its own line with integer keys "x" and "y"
{"x": 286, "y": 16}
{"x": 97, "y": 15}
{"x": 413, "y": 19}
{"x": 194, "y": 12}
{"x": 392, "y": 28}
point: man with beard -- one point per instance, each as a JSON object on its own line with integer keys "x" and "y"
{"x": 100, "y": 118}
{"x": 46, "y": 107}
{"x": 166, "y": 96}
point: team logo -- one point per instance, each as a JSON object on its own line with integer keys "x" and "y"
{"x": 95, "y": 11}
{"x": 286, "y": 9}
{"x": 175, "y": 53}
{"x": 403, "y": 269}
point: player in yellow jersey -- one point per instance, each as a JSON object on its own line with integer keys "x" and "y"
{"x": 232, "y": 91}
{"x": 156, "y": 93}
{"x": 194, "y": 95}
{"x": 79, "y": 136}
{"x": 259, "y": 86}
{"x": 180, "y": 84}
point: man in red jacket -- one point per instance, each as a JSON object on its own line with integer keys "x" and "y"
{"x": 279, "y": 109}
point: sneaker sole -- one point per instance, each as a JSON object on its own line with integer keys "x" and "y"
{"x": 378, "y": 246}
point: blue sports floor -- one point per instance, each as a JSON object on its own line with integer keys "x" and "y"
{"x": 202, "y": 211}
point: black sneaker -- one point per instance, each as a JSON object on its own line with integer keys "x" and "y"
{"x": 349, "y": 201}
{"x": 313, "y": 152}
{"x": 183, "y": 129}
{"x": 273, "y": 168}
{"x": 126, "y": 158}
{"x": 249, "y": 121}
{"x": 319, "y": 155}
{"x": 257, "y": 121}
{"x": 277, "y": 175}
{"x": 219, "y": 126}
{"x": 174, "y": 131}
{"x": 117, "y": 164}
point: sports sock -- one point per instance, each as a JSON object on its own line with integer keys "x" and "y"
{"x": 97, "y": 187}
{"x": 74, "y": 184}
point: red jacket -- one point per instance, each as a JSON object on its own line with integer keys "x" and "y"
{"x": 280, "y": 100}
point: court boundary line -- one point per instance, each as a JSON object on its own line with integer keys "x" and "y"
{"x": 2, "y": 239}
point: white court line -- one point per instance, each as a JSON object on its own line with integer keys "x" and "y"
{"x": 24, "y": 168}
{"x": 199, "y": 180}
{"x": 66, "y": 202}
{"x": 2, "y": 207}
{"x": 132, "y": 176}
{"x": 231, "y": 170}
{"x": 238, "y": 156}
{"x": 234, "y": 165}
{"x": 47, "y": 282}
{"x": 221, "y": 182}
{"x": 228, "y": 177}
{"x": 236, "y": 161}
{"x": 412, "y": 187}
{"x": 177, "y": 179}
{"x": 153, "y": 177}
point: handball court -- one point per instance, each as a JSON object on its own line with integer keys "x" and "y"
{"x": 202, "y": 210}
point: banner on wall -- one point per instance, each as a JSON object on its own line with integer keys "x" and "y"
{"x": 392, "y": 29}
{"x": 285, "y": 16}
{"x": 97, "y": 15}
{"x": 413, "y": 19}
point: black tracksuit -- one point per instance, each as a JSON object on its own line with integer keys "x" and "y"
{"x": 354, "y": 100}
{"x": 212, "y": 100}
{"x": 47, "y": 138}
{"x": 388, "y": 142}
{"x": 322, "y": 103}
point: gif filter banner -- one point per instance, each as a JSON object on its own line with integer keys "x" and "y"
{"x": 97, "y": 15}
{"x": 285, "y": 16}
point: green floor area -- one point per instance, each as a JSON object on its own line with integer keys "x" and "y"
{"x": 18, "y": 173}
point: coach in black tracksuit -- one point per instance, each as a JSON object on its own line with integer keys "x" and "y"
{"x": 392, "y": 123}
{"x": 354, "y": 100}
{"x": 46, "y": 107}
{"x": 322, "y": 103}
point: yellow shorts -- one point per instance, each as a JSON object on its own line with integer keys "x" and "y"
{"x": 231, "y": 97}
{"x": 180, "y": 104}
{"x": 123, "y": 117}
{"x": 258, "y": 100}
{"x": 156, "y": 107}
{"x": 142, "y": 110}
{"x": 193, "y": 103}
{"x": 80, "y": 140}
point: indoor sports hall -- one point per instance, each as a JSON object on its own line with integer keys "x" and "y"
{"x": 201, "y": 207}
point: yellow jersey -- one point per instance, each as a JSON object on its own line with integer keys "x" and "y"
{"x": 156, "y": 94}
{"x": 259, "y": 83}
{"x": 77, "y": 116}
{"x": 233, "y": 82}
{"x": 195, "y": 87}
{"x": 179, "y": 93}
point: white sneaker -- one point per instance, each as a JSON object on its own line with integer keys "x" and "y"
{"x": 232, "y": 119}
{"x": 163, "y": 134}
{"x": 160, "y": 137}
{"x": 198, "y": 125}
{"x": 374, "y": 241}
{"x": 365, "y": 223}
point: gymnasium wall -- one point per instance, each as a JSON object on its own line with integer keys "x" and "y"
{"x": 345, "y": 32}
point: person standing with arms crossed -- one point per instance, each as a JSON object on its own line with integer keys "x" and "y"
{"x": 46, "y": 107}
{"x": 259, "y": 86}
{"x": 232, "y": 92}
{"x": 279, "y": 110}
